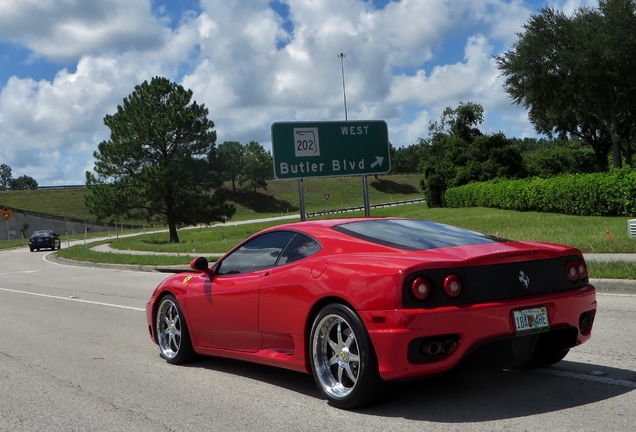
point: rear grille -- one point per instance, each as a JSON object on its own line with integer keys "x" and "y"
{"x": 491, "y": 283}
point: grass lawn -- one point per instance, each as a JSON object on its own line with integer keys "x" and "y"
{"x": 280, "y": 197}
{"x": 590, "y": 234}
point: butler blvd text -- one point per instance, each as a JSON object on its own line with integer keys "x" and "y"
{"x": 309, "y": 167}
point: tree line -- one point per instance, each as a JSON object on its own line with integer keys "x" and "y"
{"x": 249, "y": 166}
{"x": 7, "y": 182}
{"x": 458, "y": 153}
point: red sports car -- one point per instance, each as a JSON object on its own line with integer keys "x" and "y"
{"x": 357, "y": 302}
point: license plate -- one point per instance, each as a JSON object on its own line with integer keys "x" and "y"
{"x": 531, "y": 320}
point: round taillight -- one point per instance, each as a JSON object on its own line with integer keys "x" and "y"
{"x": 572, "y": 271}
{"x": 420, "y": 288}
{"x": 582, "y": 268}
{"x": 452, "y": 286}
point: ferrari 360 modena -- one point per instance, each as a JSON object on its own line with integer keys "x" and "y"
{"x": 357, "y": 302}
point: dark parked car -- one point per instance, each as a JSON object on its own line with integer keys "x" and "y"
{"x": 44, "y": 239}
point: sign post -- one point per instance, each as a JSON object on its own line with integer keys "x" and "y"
{"x": 6, "y": 214}
{"x": 330, "y": 149}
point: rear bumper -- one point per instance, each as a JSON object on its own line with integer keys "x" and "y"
{"x": 394, "y": 332}
{"x": 42, "y": 244}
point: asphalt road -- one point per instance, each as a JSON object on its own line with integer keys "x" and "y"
{"x": 75, "y": 356}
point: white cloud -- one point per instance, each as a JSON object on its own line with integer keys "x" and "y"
{"x": 474, "y": 78}
{"x": 68, "y": 29}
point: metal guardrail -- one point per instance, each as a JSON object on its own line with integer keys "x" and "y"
{"x": 361, "y": 208}
{"x": 61, "y": 187}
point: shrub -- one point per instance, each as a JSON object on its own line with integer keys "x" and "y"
{"x": 610, "y": 193}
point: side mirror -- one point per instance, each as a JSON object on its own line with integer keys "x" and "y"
{"x": 200, "y": 264}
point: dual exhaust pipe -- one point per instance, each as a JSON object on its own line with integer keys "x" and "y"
{"x": 437, "y": 347}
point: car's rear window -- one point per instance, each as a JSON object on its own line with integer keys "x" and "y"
{"x": 413, "y": 234}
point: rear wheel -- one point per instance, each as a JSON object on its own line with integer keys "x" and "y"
{"x": 343, "y": 361}
{"x": 172, "y": 332}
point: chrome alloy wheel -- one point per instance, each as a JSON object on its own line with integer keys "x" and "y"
{"x": 336, "y": 356}
{"x": 169, "y": 328}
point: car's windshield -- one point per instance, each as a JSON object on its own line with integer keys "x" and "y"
{"x": 41, "y": 233}
{"x": 413, "y": 234}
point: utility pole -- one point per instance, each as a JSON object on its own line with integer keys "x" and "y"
{"x": 365, "y": 186}
{"x": 344, "y": 90}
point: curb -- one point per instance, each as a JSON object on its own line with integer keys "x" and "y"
{"x": 614, "y": 286}
{"x": 52, "y": 257}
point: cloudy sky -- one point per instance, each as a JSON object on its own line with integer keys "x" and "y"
{"x": 65, "y": 64}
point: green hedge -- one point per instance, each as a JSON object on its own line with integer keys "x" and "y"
{"x": 610, "y": 193}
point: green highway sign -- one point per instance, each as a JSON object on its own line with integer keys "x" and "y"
{"x": 330, "y": 149}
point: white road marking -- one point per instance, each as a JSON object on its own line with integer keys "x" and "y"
{"x": 593, "y": 378}
{"x": 18, "y": 272}
{"x": 73, "y": 299}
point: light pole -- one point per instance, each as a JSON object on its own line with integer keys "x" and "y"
{"x": 344, "y": 90}
{"x": 365, "y": 186}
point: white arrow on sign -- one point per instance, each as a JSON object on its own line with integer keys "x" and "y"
{"x": 378, "y": 161}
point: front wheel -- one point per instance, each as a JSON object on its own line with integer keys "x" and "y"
{"x": 343, "y": 361}
{"x": 172, "y": 332}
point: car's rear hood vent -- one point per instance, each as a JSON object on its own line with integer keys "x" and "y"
{"x": 516, "y": 254}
